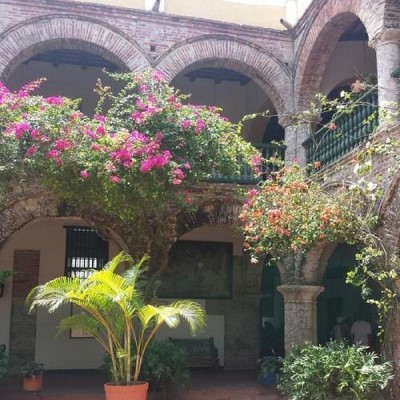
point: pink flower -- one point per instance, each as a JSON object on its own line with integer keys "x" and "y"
{"x": 20, "y": 128}
{"x": 84, "y": 174}
{"x": 62, "y": 144}
{"x": 158, "y": 76}
{"x": 143, "y": 88}
{"x": 256, "y": 160}
{"x": 140, "y": 105}
{"x": 110, "y": 167}
{"x": 178, "y": 176}
{"x": 55, "y": 100}
{"x": 138, "y": 117}
{"x": 137, "y": 136}
{"x": 172, "y": 99}
{"x": 75, "y": 116}
{"x": 53, "y": 154}
{"x": 100, "y": 130}
{"x": 185, "y": 124}
{"x": 155, "y": 162}
{"x": 178, "y": 173}
{"x": 91, "y": 134}
{"x": 96, "y": 147}
{"x": 332, "y": 126}
{"x": 100, "y": 118}
{"x": 114, "y": 179}
{"x": 200, "y": 126}
{"x": 159, "y": 137}
{"x": 30, "y": 151}
{"x": 35, "y": 133}
{"x": 252, "y": 192}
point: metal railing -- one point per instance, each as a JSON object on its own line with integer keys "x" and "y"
{"x": 327, "y": 144}
{"x": 246, "y": 174}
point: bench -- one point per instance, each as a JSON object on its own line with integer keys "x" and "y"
{"x": 201, "y": 352}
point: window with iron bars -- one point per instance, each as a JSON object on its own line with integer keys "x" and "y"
{"x": 85, "y": 251}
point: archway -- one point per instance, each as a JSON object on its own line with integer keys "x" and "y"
{"x": 63, "y": 32}
{"x": 69, "y": 72}
{"x": 217, "y": 51}
{"x": 340, "y": 300}
{"x": 271, "y": 313}
{"x": 332, "y": 22}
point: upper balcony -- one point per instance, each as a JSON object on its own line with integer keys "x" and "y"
{"x": 347, "y": 131}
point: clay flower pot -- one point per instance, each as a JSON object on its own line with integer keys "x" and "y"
{"x": 137, "y": 391}
{"x": 33, "y": 383}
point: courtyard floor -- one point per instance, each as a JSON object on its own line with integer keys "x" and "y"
{"x": 88, "y": 385}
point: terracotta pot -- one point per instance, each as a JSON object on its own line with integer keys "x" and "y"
{"x": 138, "y": 391}
{"x": 33, "y": 383}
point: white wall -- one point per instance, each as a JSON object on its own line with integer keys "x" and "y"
{"x": 347, "y": 60}
{"x": 235, "y": 100}
{"x": 59, "y": 352}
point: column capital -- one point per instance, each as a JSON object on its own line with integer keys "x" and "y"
{"x": 385, "y": 36}
{"x": 300, "y": 293}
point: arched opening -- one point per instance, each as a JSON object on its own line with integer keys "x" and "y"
{"x": 351, "y": 57}
{"x": 271, "y": 313}
{"x": 341, "y": 301}
{"x": 69, "y": 72}
{"x": 236, "y": 93}
{"x": 338, "y": 66}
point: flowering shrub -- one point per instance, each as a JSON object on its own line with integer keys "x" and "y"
{"x": 289, "y": 212}
{"x": 141, "y": 145}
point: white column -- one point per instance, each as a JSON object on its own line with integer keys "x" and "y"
{"x": 387, "y": 47}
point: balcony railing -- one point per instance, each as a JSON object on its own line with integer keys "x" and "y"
{"x": 327, "y": 145}
{"x": 246, "y": 175}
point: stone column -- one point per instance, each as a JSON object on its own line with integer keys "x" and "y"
{"x": 387, "y": 47}
{"x": 295, "y": 135}
{"x": 300, "y": 313}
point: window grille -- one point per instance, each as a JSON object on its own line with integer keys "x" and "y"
{"x": 85, "y": 251}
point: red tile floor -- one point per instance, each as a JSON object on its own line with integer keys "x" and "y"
{"x": 88, "y": 385}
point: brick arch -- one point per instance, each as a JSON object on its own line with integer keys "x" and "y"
{"x": 36, "y": 205}
{"x": 24, "y": 40}
{"x": 389, "y": 215}
{"x": 223, "y": 51}
{"x": 327, "y": 22}
{"x": 215, "y": 213}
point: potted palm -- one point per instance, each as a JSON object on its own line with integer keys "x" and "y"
{"x": 32, "y": 373}
{"x": 115, "y": 314}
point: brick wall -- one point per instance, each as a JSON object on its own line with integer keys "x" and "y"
{"x": 23, "y": 327}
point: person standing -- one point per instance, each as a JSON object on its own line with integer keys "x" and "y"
{"x": 361, "y": 332}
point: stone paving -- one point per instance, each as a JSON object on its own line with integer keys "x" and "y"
{"x": 206, "y": 385}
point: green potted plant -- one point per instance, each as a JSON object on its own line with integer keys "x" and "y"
{"x": 4, "y": 275}
{"x": 32, "y": 373}
{"x": 269, "y": 370}
{"x": 115, "y": 313}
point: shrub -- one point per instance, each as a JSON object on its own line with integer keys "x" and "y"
{"x": 334, "y": 371}
{"x": 165, "y": 365}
